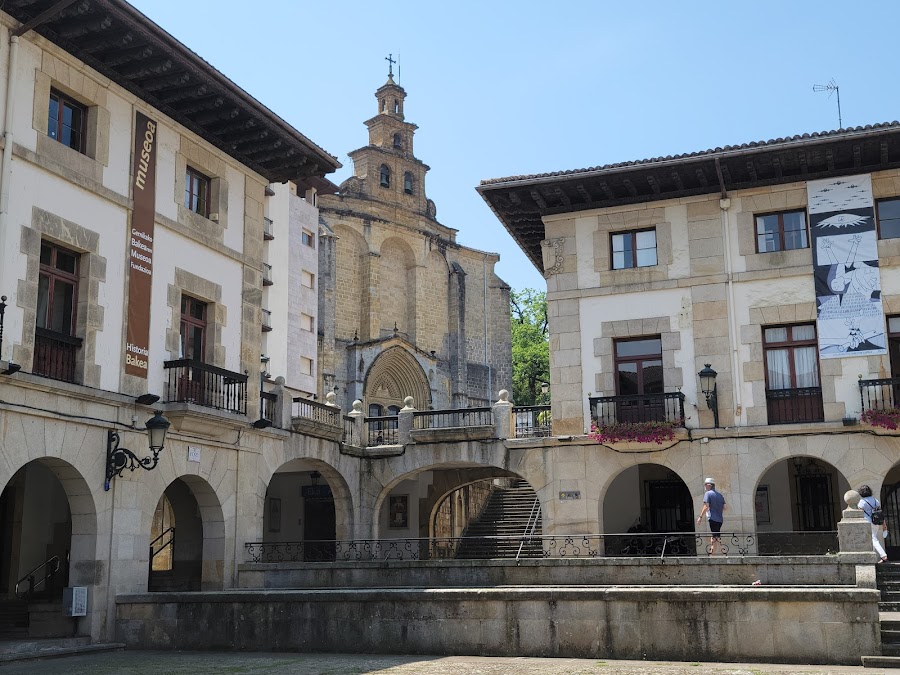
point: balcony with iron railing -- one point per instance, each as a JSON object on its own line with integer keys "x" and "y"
{"x": 190, "y": 381}
{"x": 880, "y": 394}
{"x": 55, "y": 354}
{"x": 268, "y": 229}
{"x": 532, "y": 421}
{"x": 381, "y": 430}
{"x": 797, "y": 405}
{"x": 268, "y": 401}
{"x": 635, "y": 409}
{"x": 266, "y": 320}
{"x": 267, "y": 274}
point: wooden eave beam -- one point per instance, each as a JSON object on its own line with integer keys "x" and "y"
{"x": 118, "y": 57}
{"x": 154, "y": 84}
{"x": 701, "y": 176}
{"x": 538, "y": 199}
{"x": 214, "y": 116}
{"x": 143, "y": 68}
{"x": 751, "y": 169}
{"x": 583, "y": 191}
{"x": 857, "y": 155}
{"x": 183, "y": 93}
{"x": 71, "y": 30}
{"x": 629, "y": 187}
{"x": 654, "y": 186}
{"x": 607, "y": 191}
{"x": 190, "y": 106}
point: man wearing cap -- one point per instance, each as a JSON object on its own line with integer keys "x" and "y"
{"x": 713, "y": 506}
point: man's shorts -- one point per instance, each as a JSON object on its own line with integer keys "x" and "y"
{"x": 715, "y": 526}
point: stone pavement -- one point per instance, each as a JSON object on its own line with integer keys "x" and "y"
{"x": 241, "y": 663}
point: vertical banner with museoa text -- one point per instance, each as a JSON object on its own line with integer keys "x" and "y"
{"x": 845, "y": 264}
{"x": 140, "y": 247}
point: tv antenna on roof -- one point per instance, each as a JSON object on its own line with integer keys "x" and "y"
{"x": 832, "y": 88}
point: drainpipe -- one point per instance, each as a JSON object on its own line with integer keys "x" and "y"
{"x": 487, "y": 361}
{"x": 8, "y": 110}
{"x": 736, "y": 375}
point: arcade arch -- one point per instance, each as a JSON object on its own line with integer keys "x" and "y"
{"x": 187, "y": 534}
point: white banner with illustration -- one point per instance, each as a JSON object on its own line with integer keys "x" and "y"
{"x": 845, "y": 263}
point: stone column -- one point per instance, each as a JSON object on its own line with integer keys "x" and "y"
{"x": 855, "y": 541}
{"x": 283, "y": 406}
{"x": 359, "y": 425}
{"x": 405, "y": 421}
{"x": 504, "y": 426}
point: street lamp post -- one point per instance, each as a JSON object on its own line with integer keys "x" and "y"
{"x": 710, "y": 390}
{"x": 118, "y": 459}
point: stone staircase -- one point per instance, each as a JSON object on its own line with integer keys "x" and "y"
{"x": 13, "y": 619}
{"x": 888, "y": 579}
{"x": 506, "y": 515}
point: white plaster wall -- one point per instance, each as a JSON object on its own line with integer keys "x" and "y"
{"x": 585, "y": 227}
{"x": 117, "y": 175}
{"x": 169, "y": 143}
{"x": 172, "y": 250}
{"x": 676, "y": 215}
{"x": 275, "y": 297}
{"x": 594, "y": 311}
{"x": 29, "y": 61}
{"x": 302, "y": 343}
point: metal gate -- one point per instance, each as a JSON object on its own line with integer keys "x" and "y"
{"x": 669, "y": 506}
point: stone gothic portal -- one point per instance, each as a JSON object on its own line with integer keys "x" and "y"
{"x": 394, "y": 375}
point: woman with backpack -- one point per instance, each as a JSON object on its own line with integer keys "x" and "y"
{"x": 871, "y": 509}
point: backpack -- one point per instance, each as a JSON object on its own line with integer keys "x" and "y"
{"x": 876, "y": 514}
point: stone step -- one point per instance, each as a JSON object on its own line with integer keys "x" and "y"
{"x": 881, "y": 661}
{"x": 27, "y": 646}
{"x": 890, "y": 636}
{"x": 889, "y": 606}
{"x": 57, "y": 652}
{"x": 890, "y": 649}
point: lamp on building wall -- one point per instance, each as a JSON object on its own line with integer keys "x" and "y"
{"x": 10, "y": 366}
{"x": 545, "y": 391}
{"x": 710, "y": 390}
{"x": 314, "y": 477}
{"x": 118, "y": 459}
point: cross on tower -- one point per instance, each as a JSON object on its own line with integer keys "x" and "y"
{"x": 391, "y": 62}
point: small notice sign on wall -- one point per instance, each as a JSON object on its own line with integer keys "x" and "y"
{"x": 570, "y": 494}
{"x": 193, "y": 453}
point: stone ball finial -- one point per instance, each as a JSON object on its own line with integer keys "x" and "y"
{"x": 280, "y": 380}
{"x": 408, "y": 403}
{"x": 330, "y": 398}
{"x": 357, "y": 406}
{"x": 503, "y": 396}
{"x": 852, "y": 498}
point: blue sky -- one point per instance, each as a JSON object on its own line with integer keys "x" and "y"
{"x": 508, "y": 88}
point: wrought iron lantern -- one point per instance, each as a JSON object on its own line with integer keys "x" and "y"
{"x": 118, "y": 459}
{"x": 710, "y": 390}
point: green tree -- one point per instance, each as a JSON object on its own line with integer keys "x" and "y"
{"x": 530, "y": 345}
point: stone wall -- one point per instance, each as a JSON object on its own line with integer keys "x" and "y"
{"x": 820, "y": 625}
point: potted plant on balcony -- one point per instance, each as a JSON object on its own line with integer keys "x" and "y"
{"x": 886, "y": 418}
{"x": 633, "y": 432}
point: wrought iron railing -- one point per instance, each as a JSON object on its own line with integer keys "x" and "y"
{"x": 317, "y": 412}
{"x": 637, "y": 545}
{"x": 191, "y": 381}
{"x": 667, "y": 407}
{"x": 788, "y": 406}
{"x": 351, "y": 435}
{"x": 268, "y": 401}
{"x": 532, "y": 421}
{"x": 266, "y": 320}
{"x": 381, "y": 430}
{"x": 449, "y": 419}
{"x": 268, "y": 229}
{"x": 166, "y": 544}
{"x": 42, "y": 575}
{"x": 880, "y": 394}
{"x": 55, "y": 354}
{"x": 267, "y": 274}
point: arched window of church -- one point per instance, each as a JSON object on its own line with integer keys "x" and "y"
{"x": 392, "y": 410}
{"x": 375, "y": 410}
{"x": 408, "y": 183}
{"x": 398, "y": 142}
{"x": 385, "y": 176}
{"x": 384, "y": 105}
{"x": 396, "y": 106}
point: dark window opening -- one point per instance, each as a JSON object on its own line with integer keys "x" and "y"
{"x": 888, "y": 216}
{"x": 57, "y": 289}
{"x": 193, "y": 329}
{"x": 398, "y": 142}
{"x": 66, "y": 119}
{"x": 784, "y": 231}
{"x": 793, "y": 391}
{"x": 196, "y": 192}
{"x": 385, "y": 176}
{"x": 639, "y": 374}
{"x": 633, "y": 249}
{"x": 408, "y": 183}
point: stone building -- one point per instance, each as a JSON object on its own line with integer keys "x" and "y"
{"x": 404, "y": 309}
{"x": 774, "y": 264}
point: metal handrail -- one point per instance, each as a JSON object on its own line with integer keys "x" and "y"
{"x": 30, "y": 577}
{"x": 530, "y": 527}
{"x": 171, "y": 542}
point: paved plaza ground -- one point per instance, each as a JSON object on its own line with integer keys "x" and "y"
{"x": 230, "y": 663}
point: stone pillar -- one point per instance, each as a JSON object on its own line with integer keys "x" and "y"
{"x": 359, "y": 425}
{"x": 283, "y": 406}
{"x": 504, "y": 426}
{"x": 854, "y": 531}
{"x": 405, "y": 421}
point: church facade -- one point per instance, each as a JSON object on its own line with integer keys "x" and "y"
{"x": 404, "y": 309}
